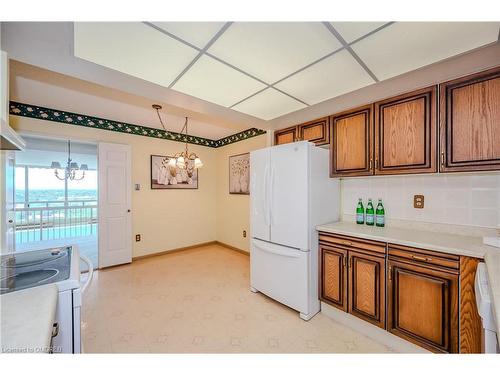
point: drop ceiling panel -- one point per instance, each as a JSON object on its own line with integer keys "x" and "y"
{"x": 351, "y": 31}
{"x": 334, "y": 76}
{"x": 272, "y": 50}
{"x": 211, "y": 80}
{"x": 406, "y": 46}
{"x": 196, "y": 33}
{"x": 269, "y": 104}
{"x": 132, "y": 48}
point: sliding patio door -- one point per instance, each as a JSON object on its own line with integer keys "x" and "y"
{"x": 115, "y": 201}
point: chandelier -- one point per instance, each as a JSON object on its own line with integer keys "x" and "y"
{"x": 71, "y": 169}
{"x": 184, "y": 159}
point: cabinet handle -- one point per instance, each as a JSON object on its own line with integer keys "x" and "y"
{"x": 390, "y": 273}
{"x": 55, "y": 329}
{"x": 347, "y": 243}
{"x": 421, "y": 258}
{"x": 376, "y": 163}
{"x": 442, "y": 158}
{"x": 344, "y": 261}
{"x": 371, "y": 163}
{"x": 350, "y": 262}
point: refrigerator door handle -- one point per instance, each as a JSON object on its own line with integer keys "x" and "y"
{"x": 271, "y": 200}
{"x": 266, "y": 210}
{"x": 284, "y": 253}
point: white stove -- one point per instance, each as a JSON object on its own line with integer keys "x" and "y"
{"x": 60, "y": 266}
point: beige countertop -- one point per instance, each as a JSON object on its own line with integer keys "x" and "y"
{"x": 27, "y": 317}
{"x": 444, "y": 242}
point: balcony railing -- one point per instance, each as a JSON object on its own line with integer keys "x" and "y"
{"x": 50, "y": 220}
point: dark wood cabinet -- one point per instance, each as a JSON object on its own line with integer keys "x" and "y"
{"x": 406, "y": 133}
{"x": 333, "y": 276}
{"x": 287, "y": 135}
{"x": 351, "y": 143}
{"x": 367, "y": 287}
{"x": 316, "y": 131}
{"x": 470, "y": 123}
{"x": 423, "y": 298}
{"x": 352, "y": 276}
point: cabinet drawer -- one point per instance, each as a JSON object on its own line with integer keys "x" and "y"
{"x": 353, "y": 243}
{"x": 421, "y": 256}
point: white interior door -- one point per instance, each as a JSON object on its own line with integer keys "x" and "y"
{"x": 259, "y": 194}
{"x": 115, "y": 201}
{"x": 290, "y": 195}
{"x": 8, "y": 243}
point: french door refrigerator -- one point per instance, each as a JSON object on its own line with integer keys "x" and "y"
{"x": 291, "y": 193}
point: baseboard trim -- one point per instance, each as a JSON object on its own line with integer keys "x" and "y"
{"x": 174, "y": 250}
{"x": 232, "y": 248}
{"x": 375, "y": 333}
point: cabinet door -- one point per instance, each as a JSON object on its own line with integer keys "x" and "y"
{"x": 287, "y": 135}
{"x": 351, "y": 143}
{"x": 367, "y": 287}
{"x": 317, "y": 131}
{"x": 406, "y": 132}
{"x": 333, "y": 280}
{"x": 470, "y": 123}
{"x": 423, "y": 306}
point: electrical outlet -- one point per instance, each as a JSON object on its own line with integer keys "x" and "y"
{"x": 137, "y": 237}
{"x": 418, "y": 201}
{"x": 244, "y": 234}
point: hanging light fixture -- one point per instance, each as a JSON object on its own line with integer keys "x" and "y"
{"x": 184, "y": 159}
{"x": 71, "y": 169}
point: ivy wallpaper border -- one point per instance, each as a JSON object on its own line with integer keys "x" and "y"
{"x": 70, "y": 118}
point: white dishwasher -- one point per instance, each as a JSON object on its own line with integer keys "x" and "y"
{"x": 483, "y": 300}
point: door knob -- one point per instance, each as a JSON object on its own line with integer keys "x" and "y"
{"x": 11, "y": 221}
{"x": 128, "y": 210}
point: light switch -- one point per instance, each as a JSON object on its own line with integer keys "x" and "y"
{"x": 137, "y": 187}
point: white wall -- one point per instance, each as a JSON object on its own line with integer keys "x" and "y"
{"x": 166, "y": 219}
{"x": 460, "y": 199}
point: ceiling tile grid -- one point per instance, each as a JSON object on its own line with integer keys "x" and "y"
{"x": 268, "y": 104}
{"x": 334, "y": 76}
{"x": 268, "y": 69}
{"x": 132, "y": 48}
{"x": 405, "y": 46}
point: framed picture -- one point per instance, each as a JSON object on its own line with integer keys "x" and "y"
{"x": 239, "y": 174}
{"x": 164, "y": 176}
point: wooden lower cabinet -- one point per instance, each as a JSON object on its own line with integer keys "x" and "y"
{"x": 423, "y": 305}
{"x": 367, "y": 287}
{"x": 423, "y": 296}
{"x": 333, "y": 285}
{"x": 352, "y": 276}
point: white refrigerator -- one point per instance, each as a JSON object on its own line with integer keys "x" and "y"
{"x": 291, "y": 193}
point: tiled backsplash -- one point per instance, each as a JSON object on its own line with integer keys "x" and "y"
{"x": 460, "y": 199}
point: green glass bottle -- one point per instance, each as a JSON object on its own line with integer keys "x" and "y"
{"x": 380, "y": 214}
{"x": 370, "y": 213}
{"x": 360, "y": 212}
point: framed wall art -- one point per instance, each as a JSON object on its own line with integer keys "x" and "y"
{"x": 164, "y": 176}
{"x": 239, "y": 174}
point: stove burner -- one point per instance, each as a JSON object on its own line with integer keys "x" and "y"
{"x": 24, "y": 279}
{"x": 31, "y": 258}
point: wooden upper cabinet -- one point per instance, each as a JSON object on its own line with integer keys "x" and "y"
{"x": 367, "y": 287}
{"x": 287, "y": 135}
{"x": 316, "y": 131}
{"x": 406, "y": 132}
{"x": 333, "y": 276}
{"x": 470, "y": 122}
{"x": 351, "y": 143}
